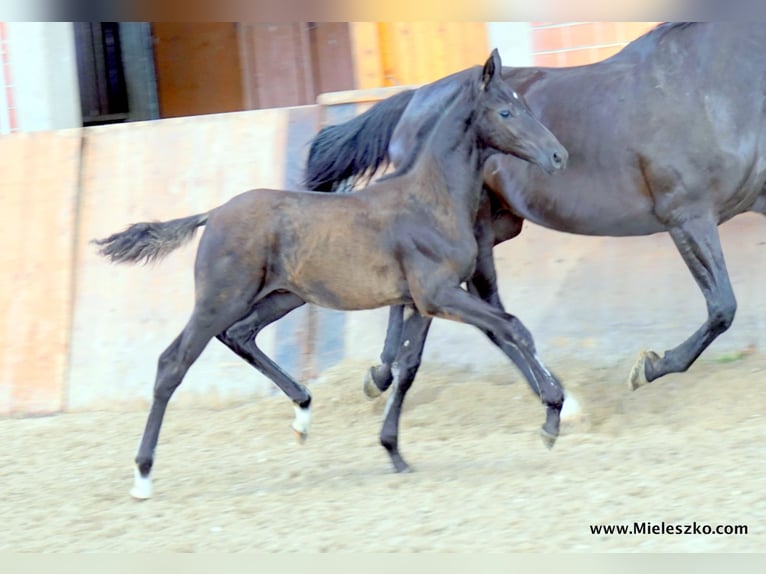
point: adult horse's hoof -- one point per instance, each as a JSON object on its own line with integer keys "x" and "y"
{"x": 371, "y": 390}
{"x": 637, "y": 377}
{"x": 548, "y": 439}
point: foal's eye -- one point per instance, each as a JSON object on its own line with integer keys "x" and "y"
{"x": 505, "y": 113}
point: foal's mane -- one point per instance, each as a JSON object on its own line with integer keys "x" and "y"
{"x": 425, "y": 134}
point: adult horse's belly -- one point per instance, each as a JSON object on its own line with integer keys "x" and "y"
{"x": 575, "y": 201}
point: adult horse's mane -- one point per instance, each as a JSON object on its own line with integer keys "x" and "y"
{"x": 658, "y": 33}
{"x": 664, "y": 28}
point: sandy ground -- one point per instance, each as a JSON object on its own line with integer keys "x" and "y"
{"x": 690, "y": 448}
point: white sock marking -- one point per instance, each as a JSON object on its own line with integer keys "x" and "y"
{"x": 142, "y": 486}
{"x": 302, "y": 422}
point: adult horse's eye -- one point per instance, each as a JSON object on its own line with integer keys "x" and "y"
{"x": 505, "y": 113}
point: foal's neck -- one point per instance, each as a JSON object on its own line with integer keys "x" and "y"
{"x": 455, "y": 152}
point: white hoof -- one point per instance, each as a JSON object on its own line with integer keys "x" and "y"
{"x": 142, "y": 486}
{"x": 571, "y": 409}
{"x": 302, "y": 423}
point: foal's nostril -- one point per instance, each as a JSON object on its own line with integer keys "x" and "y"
{"x": 559, "y": 159}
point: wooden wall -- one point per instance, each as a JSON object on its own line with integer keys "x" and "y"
{"x": 578, "y": 43}
{"x": 198, "y": 68}
{"x": 403, "y": 53}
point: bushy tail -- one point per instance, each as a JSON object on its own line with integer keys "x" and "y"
{"x": 149, "y": 241}
{"x": 351, "y": 152}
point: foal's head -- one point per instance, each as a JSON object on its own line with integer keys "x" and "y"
{"x": 505, "y": 122}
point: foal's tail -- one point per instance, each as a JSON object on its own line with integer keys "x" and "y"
{"x": 149, "y": 241}
{"x": 352, "y": 152}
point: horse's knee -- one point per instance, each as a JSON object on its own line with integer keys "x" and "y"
{"x": 722, "y": 314}
{"x": 168, "y": 376}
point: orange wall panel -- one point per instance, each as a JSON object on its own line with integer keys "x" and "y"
{"x": 38, "y": 187}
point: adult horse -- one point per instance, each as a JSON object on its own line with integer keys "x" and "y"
{"x": 406, "y": 241}
{"x": 668, "y": 135}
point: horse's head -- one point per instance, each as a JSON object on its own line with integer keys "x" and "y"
{"x": 506, "y": 123}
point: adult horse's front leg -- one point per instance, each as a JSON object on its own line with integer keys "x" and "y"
{"x": 379, "y": 378}
{"x": 699, "y": 244}
{"x": 405, "y": 367}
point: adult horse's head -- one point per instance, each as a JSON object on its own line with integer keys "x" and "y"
{"x": 507, "y": 124}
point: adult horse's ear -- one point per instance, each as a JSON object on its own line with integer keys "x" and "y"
{"x": 491, "y": 66}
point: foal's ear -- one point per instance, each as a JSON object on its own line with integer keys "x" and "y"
{"x": 491, "y": 67}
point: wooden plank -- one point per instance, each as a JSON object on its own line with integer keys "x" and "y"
{"x": 422, "y": 34}
{"x": 39, "y": 191}
{"x": 277, "y": 67}
{"x": 388, "y": 55}
{"x": 368, "y": 60}
{"x": 477, "y": 44}
{"x": 360, "y": 96}
{"x": 331, "y": 57}
{"x": 404, "y": 48}
{"x": 198, "y": 68}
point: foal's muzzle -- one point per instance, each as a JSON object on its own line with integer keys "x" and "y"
{"x": 555, "y": 160}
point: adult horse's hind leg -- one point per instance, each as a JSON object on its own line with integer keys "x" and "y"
{"x": 699, "y": 244}
{"x": 407, "y": 362}
{"x": 172, "y": 366}
{"x": 379, "y": 378}
{"x": 240, "y": 338}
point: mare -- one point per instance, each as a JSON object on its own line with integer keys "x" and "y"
{"x": 668, "y": 135}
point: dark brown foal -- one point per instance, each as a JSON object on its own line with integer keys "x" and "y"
{"x": 407, "y": 240}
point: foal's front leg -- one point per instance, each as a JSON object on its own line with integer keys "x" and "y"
{"x": 452, "y": 302}
{"x": 489, "y": 231}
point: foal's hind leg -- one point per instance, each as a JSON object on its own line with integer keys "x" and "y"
{"x": 698, "y": 242}
{"x": 171, "y": 368}
{"x": 240, "y": 338}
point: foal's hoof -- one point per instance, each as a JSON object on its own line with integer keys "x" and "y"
{"x": 637, "y": 377}
{"x": 371, "y": 390}
{"x": 300, "y": 436}
{"x": 142, "y": 486}
{"x": 548, "y": 439}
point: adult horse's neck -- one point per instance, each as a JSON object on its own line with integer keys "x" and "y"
{"x": 453, "y": 152}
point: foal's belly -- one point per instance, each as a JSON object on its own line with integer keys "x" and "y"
{"x": 351, "y": 292}
{"x": 347, "y": 279}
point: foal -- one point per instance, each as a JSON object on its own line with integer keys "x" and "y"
{"x": 408, "y": 240}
